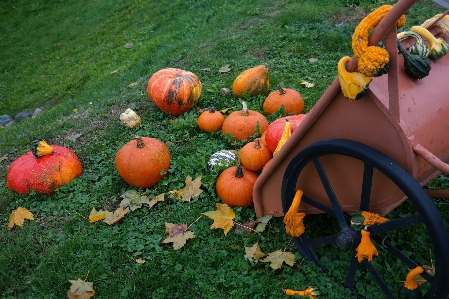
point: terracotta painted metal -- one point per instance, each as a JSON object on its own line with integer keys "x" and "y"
{"x": 404, "y": 118}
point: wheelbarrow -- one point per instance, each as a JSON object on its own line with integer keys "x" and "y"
{"x": 375, "y": 154}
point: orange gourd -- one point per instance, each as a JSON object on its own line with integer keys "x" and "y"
{"x": 43, "y": 169}
{"x": 253, "y": 82}
{"x": 242, "y": 124}
{"x": 254, "y": 155}
{"x": 143, "y": 162}
{"x": 235, "y": 184}
{"x": 210, "y": 120}
{"x": 291, "y": 99}
{"x": 174, "y": 91}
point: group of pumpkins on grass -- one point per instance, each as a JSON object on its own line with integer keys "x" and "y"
{"x": 144, "y": 161}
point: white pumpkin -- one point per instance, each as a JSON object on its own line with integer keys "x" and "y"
{"x": 223, "y": 158}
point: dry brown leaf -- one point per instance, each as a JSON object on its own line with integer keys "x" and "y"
{"x": 276, "y": 258}
{"x": 192, "y": 189}
{"x": 254, "y": 252}
{"x": 4, "y": 157}
{"x": 158, "y": 198}
{"x": 223, "y": 217}
{"x": 18, "y": 217}
{"x": 312, "y": 60}
{"x": 95, "y": 215}
{"x": 133, "y": 200}
{"x": 117, "y": 215}
{"x": 225, "y": 68}
{"x": 80, "y": 289}
{"x": 177, "y": 234}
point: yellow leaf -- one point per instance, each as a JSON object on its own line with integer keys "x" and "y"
{"x": 177, "y": 234}
{"x": 192, "y": 189}
{"x": 254, "y": 252}
{"x": 307, "y": 84}
{"x": 278, "y": 257}
{"x": 223, "y": 217}
{"x": 140, "y": 261}
{"x": 95, "y": 215}
{"x": 18, "y": 217}
{"x": 133, "y": 200}
{"x": 118, "y": 214}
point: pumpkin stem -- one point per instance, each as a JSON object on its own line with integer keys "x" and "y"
{"x": 257, "y": 143}
{"x": 139, "y": 140}
{"x": 245, "y": 109}
{"x": 239, "y": 171}
{"x": 281, "y": 90}
{"x": 212, "y": 109}
{"x": 40, "y": 148}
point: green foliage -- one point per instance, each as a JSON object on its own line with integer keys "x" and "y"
{"x": 66, "y": 55}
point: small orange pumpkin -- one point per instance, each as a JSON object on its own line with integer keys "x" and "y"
{"x": 253, "y": 82}
{"x": 242, "y": 124}
{"x": 174, "y": 91}
{"x": 235, "y": 184}
{"x": 143, "y": 162}
{"x": 289, "y": 98}
{"x": 210, "y": 120}
{"x": 254, "y": 155}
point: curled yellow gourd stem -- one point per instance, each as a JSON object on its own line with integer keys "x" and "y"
{"x": 353, "y": 84}
{"x": 366, "y": 248}
{"x": 284, "y": 137}
{"x": 410, "y": 282}
{"x": 372, "y": 60}
{"x": 293, "y": 219}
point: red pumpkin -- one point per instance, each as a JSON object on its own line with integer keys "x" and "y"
{"x": 235, "y": 184}
{"x": 242, "y": 124}
{"x": 143, "y": 162}
{"x": 43, "y": 169}
{"x": 276, "y": 128}
{"x": 254, "y": 155}
{"x": 210, "y": 120}
{"x": 174, "y": 91}
{"x": 289, "y": 98}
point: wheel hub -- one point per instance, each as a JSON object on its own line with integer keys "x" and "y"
{"x": 347, "y": 238}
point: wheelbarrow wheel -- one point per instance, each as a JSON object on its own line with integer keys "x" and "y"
{"x": 347, "y": 238}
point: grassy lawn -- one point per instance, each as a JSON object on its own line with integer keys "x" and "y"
{"x": 84, "y": 63}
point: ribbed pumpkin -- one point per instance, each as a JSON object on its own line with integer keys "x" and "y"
{"x": 254, "y": 155}
{"x": 174, "y": 91}
{"x": 253, "y": 82}
{"x": 210, "y": 120}
{"x": 43, "y": 169}
{"x": 275, "y": 129}
{"x": 143, "y": 162}
{"x": 235, "y": 184}
{"x": 291, "y": 99}
{"x": 242, "y": 124}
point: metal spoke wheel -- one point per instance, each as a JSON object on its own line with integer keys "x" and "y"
{"x": 345, "y": 238}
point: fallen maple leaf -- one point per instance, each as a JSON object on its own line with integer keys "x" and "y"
{"x": 140, "y": 261}
{"x": 177, "y": 234}
{"x": 117, "y": 215}
{"x": 18, "y": 217}
{"x": 254, "y": 252}
{"x": 276, "y": 258}
{"x": 133, "y": 200}
{"x": 95, "y": 215}
{"x": 263, "y": 221}
{"x": 223, "y": 217}
{"x": 80, "y": 289}
{"x": 307, "y": 84}
{"x": 158, "y": 198}
{"x": 192, "y": 188}
{"x": 225, "y": 68}
{"x": 312, "y": 60}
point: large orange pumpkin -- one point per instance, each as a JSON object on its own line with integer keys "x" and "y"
{"x": 254, "y": 81}
{"x": 242, "y": 124}
{"x": 43, "y": 169}
{"x": 143, "y": 162}
{"x": 174, "y": 91}
{"x": 289, "y": 98}
{"x": 275, "y": 129}
{"x": 235, "y": 184}
{"x": 254, "y": 155}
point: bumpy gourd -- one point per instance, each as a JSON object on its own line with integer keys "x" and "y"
{"x": 372, "y": 60}
{"x": 415, "y": 66}
{"x": 353, "y": 84}
{"x": 130, "y": 119}
{"x": 438, "y": 46}
{"x": 419, "y": 48}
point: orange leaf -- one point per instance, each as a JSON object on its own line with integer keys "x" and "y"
{"x": 18, "y": 217}
{"x": 223, "y": 217}
{"x": 177, "y": 234}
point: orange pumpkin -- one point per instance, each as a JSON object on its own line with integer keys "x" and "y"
{"x": 254, "y": 155}
{"x": 43, "y": 169}
{"x": 289, "y": 98}
{"x": 174, "y": 91}
{"x": 253, "y": 82}
{"x": 210, "y": 120}
{"x": 143, "y": 162}
{"x": 275, "y": 129}
{"x": 235, "y": 184}
{"x": 242, "y": 124}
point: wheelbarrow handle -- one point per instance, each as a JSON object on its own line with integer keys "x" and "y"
{"x": 431, "y": 158}
{"x": 383, "y": 27}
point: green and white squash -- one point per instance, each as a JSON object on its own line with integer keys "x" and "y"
{"x": 419, "y": 48}
{"x": 223, "y": 158}
{"x": 415, "y": 66}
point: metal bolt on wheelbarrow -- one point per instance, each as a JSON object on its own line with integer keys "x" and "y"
{"x": 375, "y": 154}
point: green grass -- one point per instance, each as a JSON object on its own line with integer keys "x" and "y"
{"x": 66, "y": 55}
